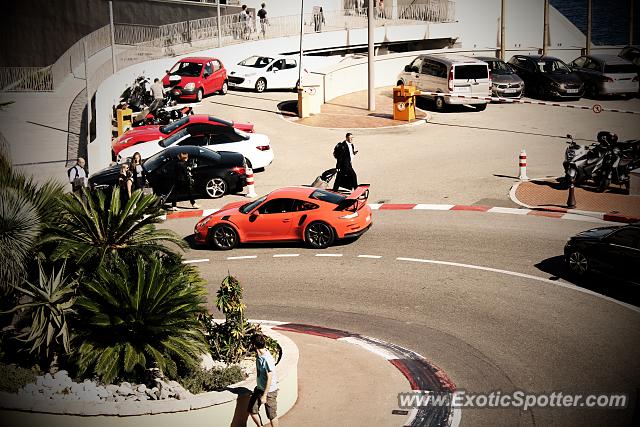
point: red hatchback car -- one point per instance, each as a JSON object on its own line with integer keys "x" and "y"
{"x": 316, "y": 216}
{"x": 141, "y": 134}
{"x": 195, "y": 77}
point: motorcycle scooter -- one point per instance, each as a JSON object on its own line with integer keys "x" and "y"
{"x": 583, "y": 162}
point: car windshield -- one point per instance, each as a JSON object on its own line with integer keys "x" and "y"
{"x": 167, "y": 129}
{"x": 186, "y": 69}
{"x": 553, "y": 66}
{"x": 619, "y": 69}
{"x": 251, "y": 206}
{"x": 256, "y": 61}
{"x": 327, "y": 196}
{"x": 173, "y": 139}
{"x": 153, "y": 162}
{"x": 499, "y": 67}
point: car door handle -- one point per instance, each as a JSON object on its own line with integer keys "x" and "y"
{"x": 286, "y": 220}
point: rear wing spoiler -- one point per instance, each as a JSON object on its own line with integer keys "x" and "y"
{"x": 356, "y": 199}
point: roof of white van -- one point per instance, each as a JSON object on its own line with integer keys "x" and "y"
{"x": 454, "y": 59}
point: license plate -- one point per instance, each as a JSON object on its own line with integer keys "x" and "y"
{"x": 572, "y": 90}
{"x": 465, "y": 89}
{"x": 231, "y": 84}
{"x": 510, "y": 91}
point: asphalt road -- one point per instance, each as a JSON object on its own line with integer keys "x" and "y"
{"x": 488, "y": 330}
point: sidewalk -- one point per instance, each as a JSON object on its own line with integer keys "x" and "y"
{"x": 549, "y": 195}
{"x": 341, "y": 384}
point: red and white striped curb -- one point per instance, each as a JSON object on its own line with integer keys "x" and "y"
{"x": 560, "y": 213}
{"x": 526, "y": 101}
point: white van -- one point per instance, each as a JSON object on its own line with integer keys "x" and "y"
{"x": 449, "y": 74}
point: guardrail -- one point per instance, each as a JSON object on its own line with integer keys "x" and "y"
{"x": 26, "y": 79}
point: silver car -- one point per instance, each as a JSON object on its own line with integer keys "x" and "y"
{"x": 506, "y": 83}
{"x": 606, "y": 75}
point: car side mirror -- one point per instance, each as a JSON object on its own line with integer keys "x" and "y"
{"x": 253, "y": 216}
{"x": 167, "y": 71}
{"x": 407, "y": 68}
{"x": 206, "y": 75}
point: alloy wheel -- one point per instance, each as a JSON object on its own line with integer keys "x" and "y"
{"x": 578, "y": 263}
{"x": 216, "y": 187}
{"x": 224, "y": 237}
{"x": 261, "y": 85}
{"x": 319, "y": 235}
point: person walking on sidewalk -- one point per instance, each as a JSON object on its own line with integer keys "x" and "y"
{"x": 183, "y": 182}
{"x": 262, "y": 14}
{"x": 318, "y": 20}
{"x": 344, "y": 152}
{"x": 266, "y": 391}
{"x": 137, "y": 171}
{"x": 125, "y": 182}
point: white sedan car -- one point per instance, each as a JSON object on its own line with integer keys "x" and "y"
{"x": 255, "y": 147}
{"x": 266, "y": 72}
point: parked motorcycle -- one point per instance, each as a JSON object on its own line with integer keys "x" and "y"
{"x": 138, "y": 95}
{"x": 582, "y": 162}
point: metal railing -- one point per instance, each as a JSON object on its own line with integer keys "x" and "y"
{"x": 26, "y": 79}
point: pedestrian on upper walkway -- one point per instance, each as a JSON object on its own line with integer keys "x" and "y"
{"x": 262, "y": 14}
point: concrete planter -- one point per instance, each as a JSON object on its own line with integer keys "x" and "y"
{"x": 225, "y": 408}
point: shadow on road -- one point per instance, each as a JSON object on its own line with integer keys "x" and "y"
{"x": 190, "y": 240}
{"x": 601, "y": 284}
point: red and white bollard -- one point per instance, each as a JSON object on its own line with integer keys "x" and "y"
{"x": 251, "y": 189}
{"x": 523, "y": 166}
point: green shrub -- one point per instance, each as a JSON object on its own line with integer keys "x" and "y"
{"x": 201, "y": 380}
{"x": 13, "y": 377}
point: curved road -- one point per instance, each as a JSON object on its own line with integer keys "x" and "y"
{"x": 488, "y": 330}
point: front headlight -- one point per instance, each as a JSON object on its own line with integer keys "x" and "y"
{"x": 190, "y": 86}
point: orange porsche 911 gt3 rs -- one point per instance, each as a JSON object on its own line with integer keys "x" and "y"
{"x": 313, "y": 215}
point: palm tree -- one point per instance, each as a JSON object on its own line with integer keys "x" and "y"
{"x": 132, "y": 317}
{"x": 93, "y": 228}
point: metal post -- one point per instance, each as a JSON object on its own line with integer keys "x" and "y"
{"x": 86, "y": 88}
{"x": 219, "y": 26}
{"x": 113, "y": 38}
{"x": 589, "y": 15}
{"x": 545, "y": 31}
{"x": 301, "y": 33}
{"x": 503, "y": 15}
{"x": 372, "y": 74}
{"x": 631, "y": 22}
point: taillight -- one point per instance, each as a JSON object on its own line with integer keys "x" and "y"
{"x": 264, "y": 147}
{"x": 490, "y": 78}
{"x": 635, "y": 79}
{"x": 451, "y": 79}
{"x": 239, "y": 170}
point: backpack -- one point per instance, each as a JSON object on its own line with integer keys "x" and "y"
{"x": 337, "y": 150}
{"x": 69, "y": 171}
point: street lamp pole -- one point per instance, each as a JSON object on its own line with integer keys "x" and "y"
{"x": 589, "y": 15}
{"x": 113, "y": 38}
{"x": 545, "y": 30}
{"x": 372, "y": 74}
{"x": 219, "y": 29}
{"x": 502, "y": 29}
{"x": 301, "y": 33}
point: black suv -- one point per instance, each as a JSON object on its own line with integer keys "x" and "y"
{"x": 547, "y": 77}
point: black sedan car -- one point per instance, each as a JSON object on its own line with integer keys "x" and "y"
{"x": 614, "y": 251}
{"x": 215, "y": 173}
{"x": 505, "y": 82}
{"x": 547, "y": 77}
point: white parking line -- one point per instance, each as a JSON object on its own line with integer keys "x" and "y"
{"x": 370, "y": 256}
{"x": 431, "y": 207}
{"x": 242, "y": 257}
{"x": 285, "y": 255}
{"x": 526, "y": 276}
{"x": 194, "y": 261}
{"x": 330, "y": 255}
{"x": 515, "y": 211}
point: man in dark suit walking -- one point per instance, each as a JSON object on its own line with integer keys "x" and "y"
{"x": 344, "y": 152}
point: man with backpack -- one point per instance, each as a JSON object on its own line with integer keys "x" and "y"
{"x": 344, "y": 152}
{"x": 77, "y": 175}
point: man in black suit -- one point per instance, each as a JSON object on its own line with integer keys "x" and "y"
{"x": 344, "y": 152}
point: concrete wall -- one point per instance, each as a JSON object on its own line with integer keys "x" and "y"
{"x": 207, "y": 409}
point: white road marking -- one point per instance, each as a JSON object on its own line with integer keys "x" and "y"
{"x": 242, "y": 257}
{"x": 370, "y": 347}
{"x": 526, "y": 276}
{"x": 330, "y": 255}
{"x": 514, "y": 211}
{"x": 375, "y": 206}
{"x": 285, "y": 255}
{"x": 430, "y": 207}
{"x": 194, "y": 261}
{"x": 585, "y": 218}
{"x": 267, "y": 322}
{"x": 370, "y": 256}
